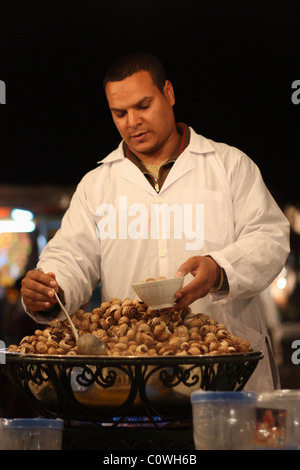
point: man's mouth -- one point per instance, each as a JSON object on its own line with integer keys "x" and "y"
{"x": 139, "y": 135}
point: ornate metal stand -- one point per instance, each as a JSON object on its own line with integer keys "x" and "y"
{"x": 113, "y": 391}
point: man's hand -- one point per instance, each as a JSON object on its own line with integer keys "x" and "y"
{"x": 36, "y": 290}
{"x": 206, "y": 274}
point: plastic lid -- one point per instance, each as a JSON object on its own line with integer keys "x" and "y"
{"x": 284, "y": 393}
{"x": 201, "y": 396}
{"x": 32, "y": 423}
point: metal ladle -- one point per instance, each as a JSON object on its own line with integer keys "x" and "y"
{"x": 88, "y": 344}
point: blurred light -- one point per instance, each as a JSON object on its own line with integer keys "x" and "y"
{"x": 41, "y": 242}
{"x": 281, "y": 282}
{"x": 64, "y": 201}
{"x": 5, "y": 212}
{"x": 293, "y": 215}
{"x": 21, "y": 215}
{"x": 13, "y": 226}
{"x": 283, "y": 272}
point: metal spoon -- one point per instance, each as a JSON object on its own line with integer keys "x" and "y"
{"x": 88, "y": 344}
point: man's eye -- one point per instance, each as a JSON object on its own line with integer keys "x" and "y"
{"x": 120, "y": 115}
{"x": 146, "y": 106}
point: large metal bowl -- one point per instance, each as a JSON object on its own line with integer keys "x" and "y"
{"x": 113, "y": 390}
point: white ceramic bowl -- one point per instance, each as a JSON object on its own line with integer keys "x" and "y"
{"x": 160, "y": 293}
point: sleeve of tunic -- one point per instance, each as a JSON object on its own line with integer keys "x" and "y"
{"x": 261, "y": 230}
{"x": 73, "y": 254}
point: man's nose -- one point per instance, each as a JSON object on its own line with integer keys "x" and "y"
{"x": 134, "y": 118}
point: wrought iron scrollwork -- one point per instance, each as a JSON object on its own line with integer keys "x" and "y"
{"x": 101, "y": 375}
{"x": 179, "y": 375}
{"x": 31, "y": 372}
{"x": 157, "y": 388}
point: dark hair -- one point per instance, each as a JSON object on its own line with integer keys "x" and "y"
{"x": 129, "y": 64}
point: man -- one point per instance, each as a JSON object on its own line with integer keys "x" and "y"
{"x": 167, "y": 202}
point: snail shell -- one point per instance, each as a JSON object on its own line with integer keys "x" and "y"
{"x": 128, "y": 327}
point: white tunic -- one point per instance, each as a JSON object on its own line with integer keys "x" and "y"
{"x": 213, "y": 201}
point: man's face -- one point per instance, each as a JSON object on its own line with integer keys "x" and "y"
{"x": 142, "y": 114}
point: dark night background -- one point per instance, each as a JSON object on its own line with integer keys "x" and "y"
{"x": 232, "y": 64}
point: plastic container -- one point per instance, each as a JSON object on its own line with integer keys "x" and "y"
{"x": 31, "y": 434}
{"x": 278, "y": 423}
{"x": 223, "y": 420}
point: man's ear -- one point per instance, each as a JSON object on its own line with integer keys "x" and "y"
{"x": 169, "y": 92}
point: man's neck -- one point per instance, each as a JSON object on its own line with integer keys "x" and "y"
{"x": 167, "y": 151}
{"x": 184, "y": 138}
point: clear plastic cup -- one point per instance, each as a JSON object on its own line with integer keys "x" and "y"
{"x": 223, "y": 420}
{"x": 279, "y": 419}
{"x": 31, "y": 434}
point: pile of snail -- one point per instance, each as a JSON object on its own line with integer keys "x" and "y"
{"x": 129, "y": 328}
